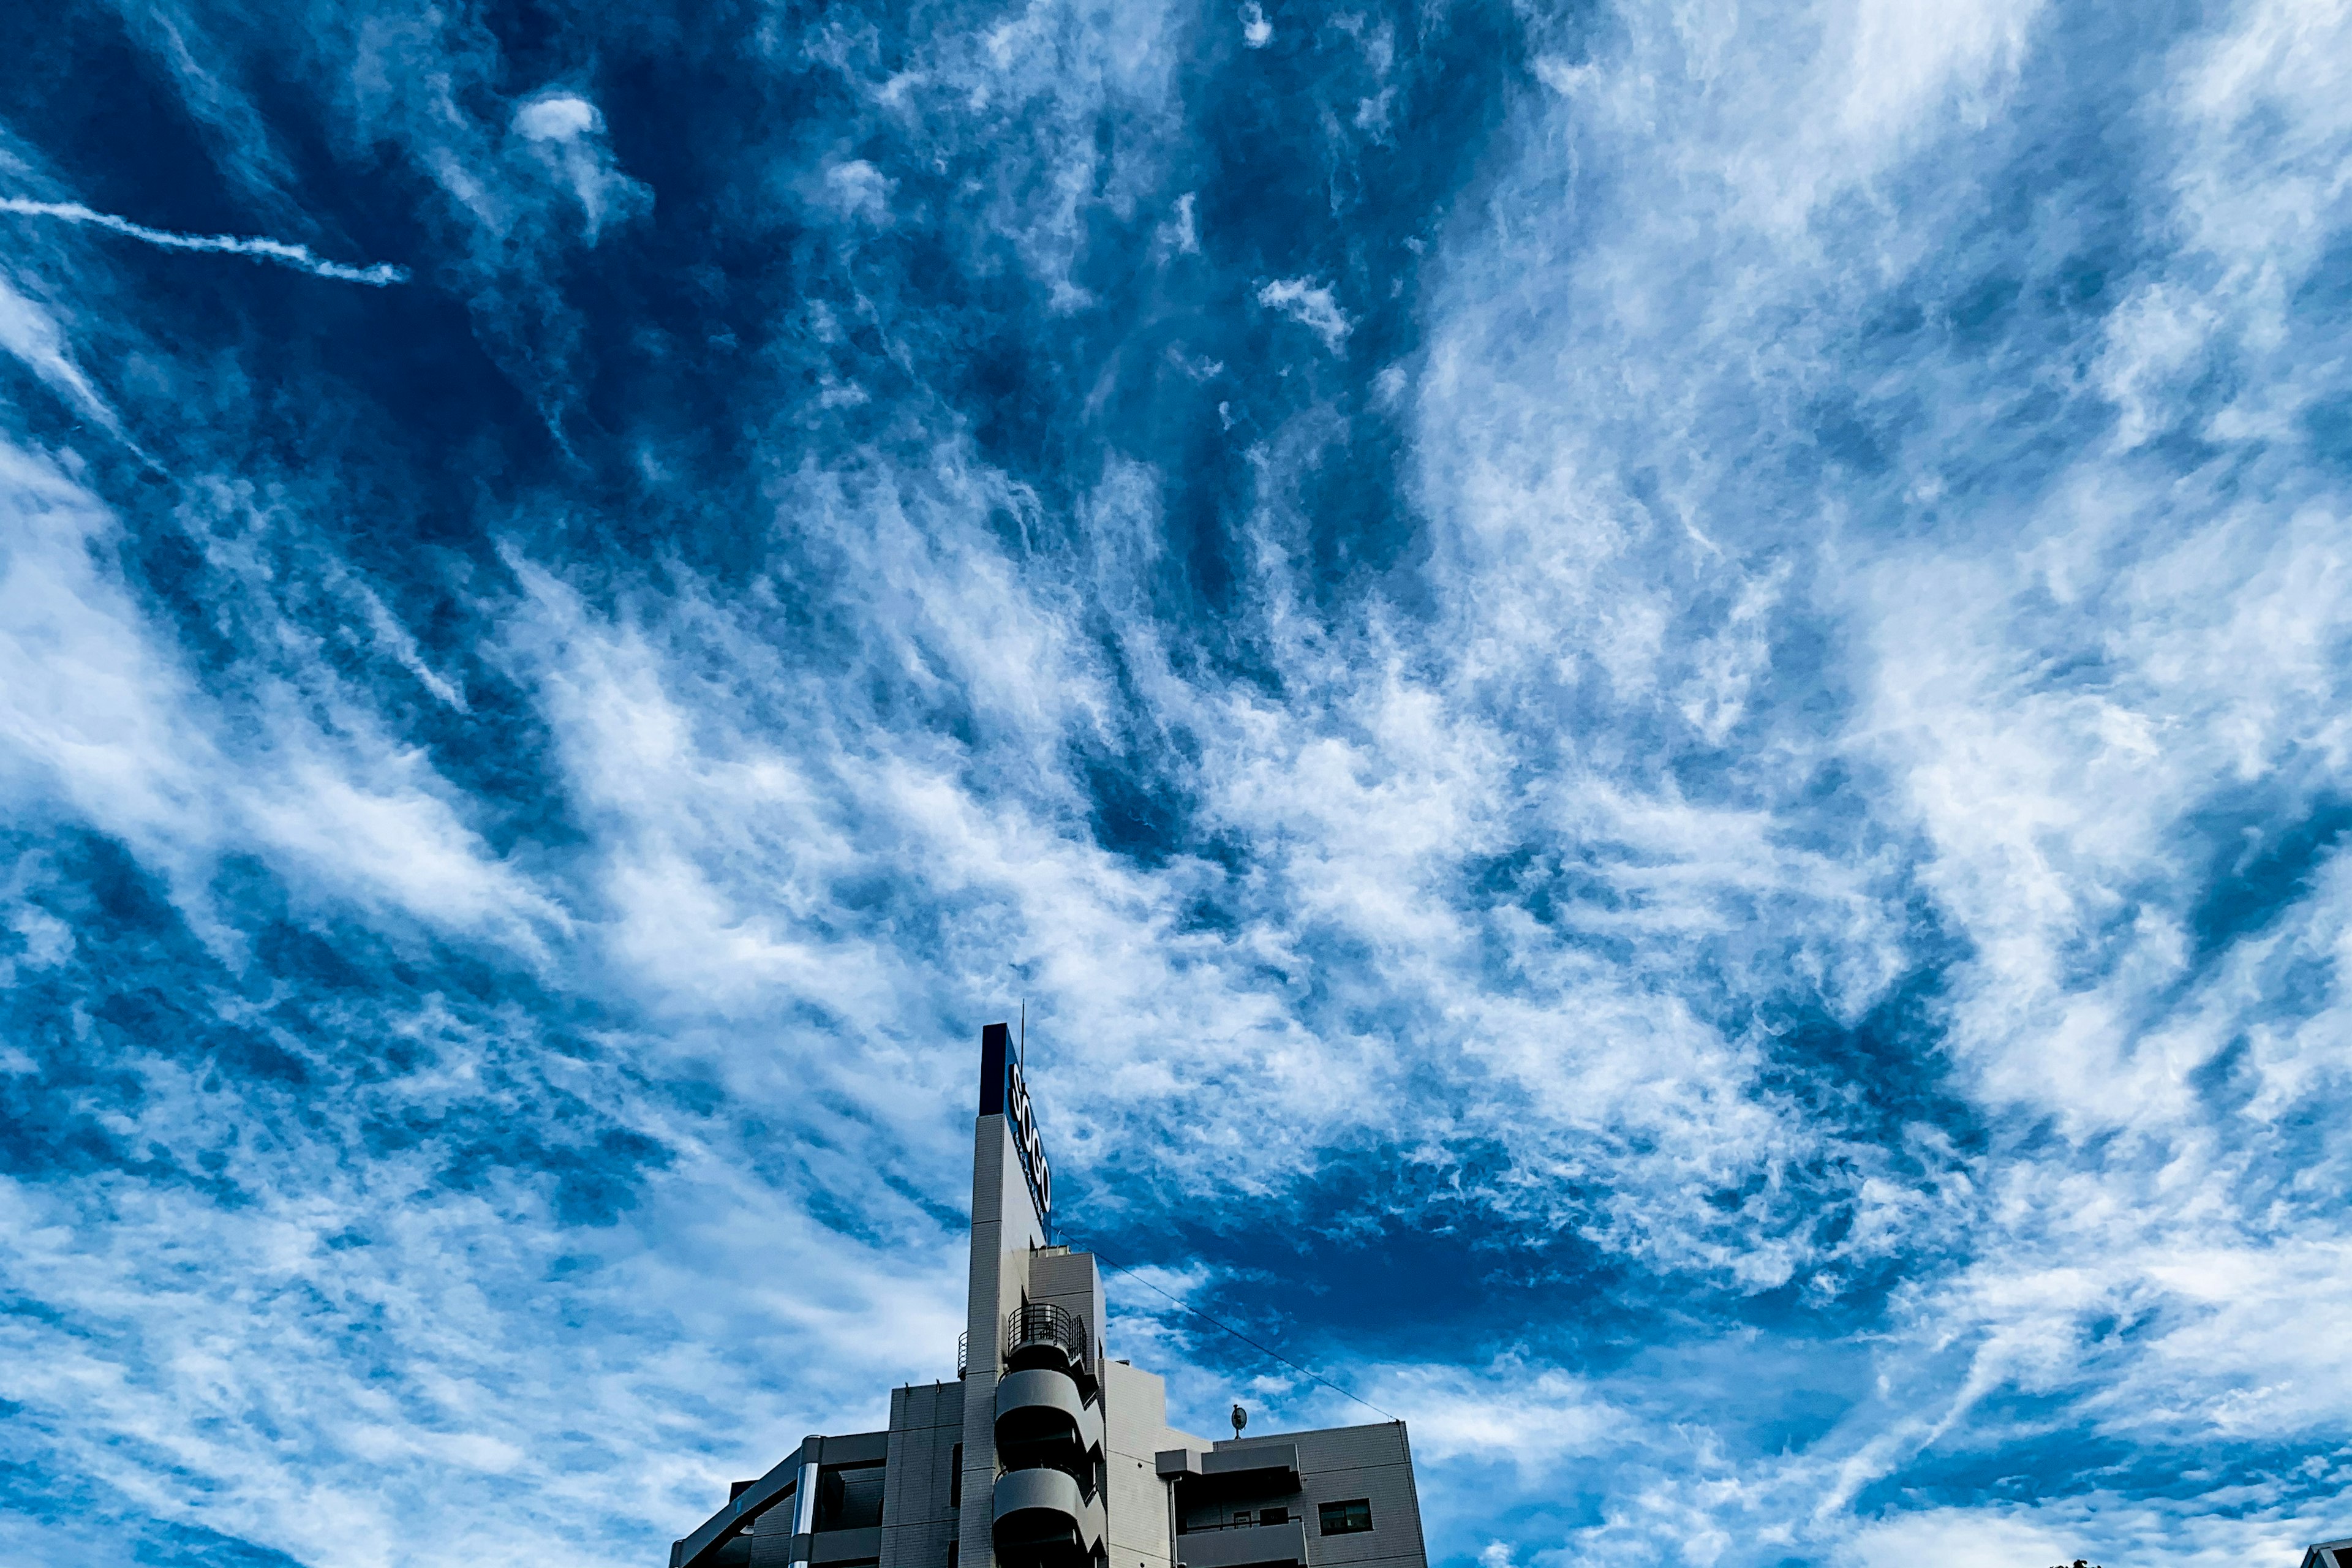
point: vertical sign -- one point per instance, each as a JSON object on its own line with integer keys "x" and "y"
{"x": 1002, "y": 1092}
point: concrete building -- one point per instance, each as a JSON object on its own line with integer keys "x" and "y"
{"x": 1047, "y": 1453}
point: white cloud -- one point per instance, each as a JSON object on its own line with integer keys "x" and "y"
{"x": 98, "y": 718}
{"x": 558, "y": 117}
{"x": 857, "y": 189}
{"x": 31, "y": 335}
{"x": 1028, "y": 89}
{"x": 2065, "y": 679}
{"x": 1967, "y": 1538}
{"x": 567, "y": 133}
{"x": 1909, "y": 61}
{"x": 1311, "y": 305}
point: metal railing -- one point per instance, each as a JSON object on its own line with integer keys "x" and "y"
{"x": 963, "y": 1353}
{"x": 1214, "y": 1525}
{"x": 1044, "y": 1323}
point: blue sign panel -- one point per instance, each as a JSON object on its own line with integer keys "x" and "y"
{"x": 1002, "y": 1092}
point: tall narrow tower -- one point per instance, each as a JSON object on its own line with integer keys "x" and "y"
{"x": 1043, "y": 1452}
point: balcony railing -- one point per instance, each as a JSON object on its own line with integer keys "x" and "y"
{"x": 1041, "y": 1323}
{"x": 1244, "y": 1546}
{"x": 1216, "y": 1524}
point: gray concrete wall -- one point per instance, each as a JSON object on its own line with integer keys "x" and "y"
{"x": 1370, "y": 1462}
{"x": 917, "y": 1520}
{"x": 1071, "y": 1281}
{"x": 1005, "y": 1229}
{"x": 1336, "y": 1464}
{"x": 1135, "y": 1428}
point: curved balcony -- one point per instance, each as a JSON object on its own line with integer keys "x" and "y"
{"x": 1043, "y": 1419}
{"x": 1045, "y": 1335}
{"x": 1044, "y": 1521}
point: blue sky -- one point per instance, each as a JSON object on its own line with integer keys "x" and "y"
{"x": 1651, "y": 700}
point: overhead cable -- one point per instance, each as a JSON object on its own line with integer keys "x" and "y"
{"x": 1228, "y": 1328}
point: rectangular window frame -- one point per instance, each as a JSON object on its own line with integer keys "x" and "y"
{"x": 1351, "y": 1516}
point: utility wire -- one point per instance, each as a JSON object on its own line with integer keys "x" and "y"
{"x": 1186, "y": 1306}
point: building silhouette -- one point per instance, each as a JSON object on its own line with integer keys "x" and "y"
{"x": 1046, "y": 1453}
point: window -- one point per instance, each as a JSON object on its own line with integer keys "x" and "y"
{"x": 952, "y": 1552}
{"x": 1347, "y": 1518}
{"x": 955, "y": 1485}
{"x": 1241, "y": 1516}
{"x": 1275, "y": 1516}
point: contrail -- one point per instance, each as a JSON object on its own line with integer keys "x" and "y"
{"x": 295, "y": 255}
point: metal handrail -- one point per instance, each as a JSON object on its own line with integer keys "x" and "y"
{"x": 963, "y": 1353}
{"x": 1044, "y": 1323}
{"x": 1238, "y": 1524}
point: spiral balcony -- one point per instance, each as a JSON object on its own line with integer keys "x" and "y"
{"x": 1042, "y": 1334}
{"x": 1043, "y": 1519}
{"x": 1042, "y": 1419}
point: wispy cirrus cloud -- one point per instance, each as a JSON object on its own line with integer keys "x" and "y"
{"x": 1707, "y": 864}
{"x": 32, "y": 336}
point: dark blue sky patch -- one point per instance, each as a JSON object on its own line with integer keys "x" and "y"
{"x": 409, "y": 357}
{"x": 588, "y": 1176}
{"x": 1135, "y": 813}
{"x": 337, "y": 1026}
{"x": 2041, "y": 1457}
{"x": 1382, "y": 1260}
{"x": 598, "y": 1184}
{"x": 1879, "y": 1075}
{"x": 174, "y": 1543}
{"x": 128, "y": 106}
{"x": 1543, "y": 1524}
{"x": 132, "y": 990}
{"x": 2260, "y": 864}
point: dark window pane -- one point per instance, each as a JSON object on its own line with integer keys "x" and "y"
{"x": 1275, "y": 1516}
{"x": 1347, "y": 1518}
